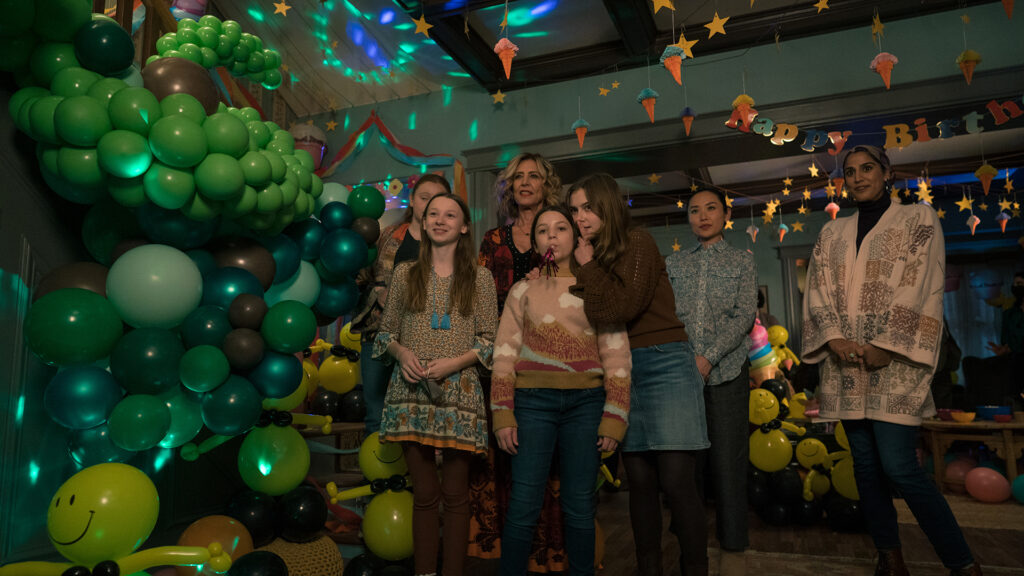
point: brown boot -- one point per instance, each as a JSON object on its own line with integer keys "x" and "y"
{"x": 972, "y": 570}
{"x": 890, "y": 563}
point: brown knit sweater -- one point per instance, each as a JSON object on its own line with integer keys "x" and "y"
{"x": 637, "y": 294}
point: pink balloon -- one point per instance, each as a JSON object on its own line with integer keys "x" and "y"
{"x": 956, "y": 471}
{"x": 987, "y": 485}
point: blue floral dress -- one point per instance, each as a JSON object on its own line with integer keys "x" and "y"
{"x": 455, "y": 416}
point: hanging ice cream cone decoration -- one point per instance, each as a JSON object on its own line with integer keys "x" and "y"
{"x": 837, "y": 181}
{"x": 672, "y": 60}
{"x": 1003, "y": 218}
{"x": 688, "y": 115}
{"x": 882, "y": 64}
{"x": 580, "y": 128}
{"x": 973, "y": 222}
{"x": 752, "y": 232}
{"x": 832, "y": 209}
{"x": 743, "y": 113}
{"x": 648, "y": 97}
{"x": 782, "y": 231}
{"x": 506, "y": 50}
{"x": 985, "y": 175}
{"x": 968, "y": 60}
{"x": 1008, "y": 7}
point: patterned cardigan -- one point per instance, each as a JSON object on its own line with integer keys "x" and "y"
{"x": 367, "y": 320}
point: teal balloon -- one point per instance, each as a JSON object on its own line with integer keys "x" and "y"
{"x": 219, "y": 177}
{"x": 178, "y": 140}
{"x": 1018, "y": 488}
{"x": 145, "y": 361}
{"x": 94, "y": 446}
{"x": 204, "y": 260}
{"x": 309, "y": 235}
{"x": 232, "y": 408}
{"x": 169, "y": 187}
{"x": 186, "y": 420}
{"x": 204, "y": 368}
{"x": 105, "y": 225}
{"x": 286, "y": 256}
{"x": 303, "y": 286}
{"x": 73, "y": 82}
{"x": 104, "y": 47}
{"x": 50, "y": 58}
{"x": 135, "y": 109}
{"x": 174, "y": 228}
{"x": 366, "y": 202}
{"x": 81, "y": 397}
{"x": 225, "y": 284}
{"x": 154, "y": 286}
{"x": 72, "y": 326}
{"x": 277, "y": 375}
{"x": 131, "y": 76}
{"x": 58, "y": 20}
{"x": 343, "y": 252}
{"x": 40, "y": 114}
{"x": 337, "y": 299}
{"x": 273, "y": 459}
{"x": 336, "y": 215}
{"x": 206, "y": 325}
{"x": 104, "y": 90}
{"x": 124, "y": 154}
{"x": 332, "y": 192}
{"x": 81, "y": 120}
{"x": 139, "y": 422}
{"x": 288, "y": 327}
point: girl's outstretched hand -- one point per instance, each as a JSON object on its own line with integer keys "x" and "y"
{"x": 508, "y": 439}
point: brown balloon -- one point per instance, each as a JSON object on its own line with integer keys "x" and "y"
{"x": 247, "y": 311}
{"x": 246, "y": 254}
{"x": 166, "y": 76}
{"x": 243, "y": 348}
{"x": 322, "y": 320}
{"x": 87, "y": 275}
{"x": 125, "y": 245}
{"x": 368, "y": 228}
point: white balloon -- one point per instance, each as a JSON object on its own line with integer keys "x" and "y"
{"x": 303, "y": 286}
{"x": 333, "y": 192}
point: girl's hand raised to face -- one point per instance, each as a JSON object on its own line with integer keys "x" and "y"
{"x": 584, "y": 252}
{"x": 508, "y": 439}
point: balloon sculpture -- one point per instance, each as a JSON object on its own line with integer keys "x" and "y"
{"x": 777, "y": 337}
{"x": 763, "y": 360}
{"x": 770, "y": 449}
{"x": 97, "y": 520}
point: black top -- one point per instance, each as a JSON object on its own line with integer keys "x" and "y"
{"x": 408, "y": 250}
{"x": 868, "y": 214}
{"x": 522, "y": 262}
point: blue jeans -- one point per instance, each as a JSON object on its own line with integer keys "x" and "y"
{"x": 375, "y": 374}
{"x": 569, "y": 419}
{"x": 666, "y": 396}
{"x": 884, "y": 454}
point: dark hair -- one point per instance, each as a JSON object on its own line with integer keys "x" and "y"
{"x": 464, "y": 276}
{"x": 606, "y": 201}
{"x": 876, "y": 153}
{"x": 573, "y": 265}
{"x": 718, "y": 194}
{"x": 436, "y": 179}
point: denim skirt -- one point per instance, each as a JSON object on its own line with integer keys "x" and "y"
{"x": 666, "y": 410}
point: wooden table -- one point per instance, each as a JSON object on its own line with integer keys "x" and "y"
{"x": 1005, "y": 439}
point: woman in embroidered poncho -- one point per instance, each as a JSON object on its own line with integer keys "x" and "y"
{"x": 873, "y": 319}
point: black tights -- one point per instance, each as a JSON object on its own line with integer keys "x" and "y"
{"x": 674, "y": 472}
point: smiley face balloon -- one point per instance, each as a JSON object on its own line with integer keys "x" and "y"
{"x": 104, "y": 512}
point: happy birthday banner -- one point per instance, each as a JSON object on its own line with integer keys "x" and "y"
{"x": 898, "y": 135}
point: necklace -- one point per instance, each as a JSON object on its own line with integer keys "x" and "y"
{"x": 443, "y": 322}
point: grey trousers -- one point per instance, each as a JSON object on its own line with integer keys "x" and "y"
{"x": 728, "y": 459}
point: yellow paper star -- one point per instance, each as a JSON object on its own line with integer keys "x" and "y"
{"x": 965, "y": 203}
{"x": 797, "y": 226}
{"x": 843, "y": 193}
{"x": 895, "y": 194}
{"x": 966, "y": 19}
{"x": 675, "y": 245}
{"x": 686, "y": 45}
{"x": 694, "y": 187}
{"x": 785, "y": 191}
{"x": 767, "y": 217}
{"x": 728, "y": 224}
{"x": 813, "y": 169}
{"x": 499, "y": 97}
{"x": 1005, "y": 205}
{"x": 941, "y": 213}
{"x": 659, "y": 4}
{"x": 773, "y": 204}
{"x": 1016, "y": 213}
{"x": 615, "y": 84}
{"x": 924, "y": 195}
{"x": 1009, "y": 185}
{"x": 924, "y": 184}
{"x": 1016, "y": 206}
{"x": 877, "y": 28}
{"x": 603, "y": 91}
{"x": 787, "y": 181}
{"x": 654, "y": 178}
{"x": 830, "y": 190}
{"x": 422, "y": 26}
{"x": 807, "y": 194}
{"x": 679, "y": 204}
{"x": 281, "y": 8}
{"x": 716, "y": 26}
{"x": 983, "y": 207}
{"x": 728, "y": 201}
{"x": 284, "y": 67}
{"x": 821, "y": 5}
{"x": 332, "y": 104}
{"x": 331, "y": 125}
{"x": 803, "y": 210}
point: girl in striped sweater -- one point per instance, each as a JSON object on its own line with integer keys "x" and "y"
{"x": 558, "y": 382}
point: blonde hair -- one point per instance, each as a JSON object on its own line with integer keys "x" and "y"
{"x": 552, "y": 187}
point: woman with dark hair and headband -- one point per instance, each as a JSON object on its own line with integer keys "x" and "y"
{"x": 873, "y": 320}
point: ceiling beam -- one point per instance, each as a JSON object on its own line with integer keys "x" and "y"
{"x": 636, "y": 27}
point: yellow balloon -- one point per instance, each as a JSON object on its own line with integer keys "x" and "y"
{"x": 337, "y": 373}
{"x": 378, "y": 460}
{"x": 820, "y": 484}
{"x": 763, "y": 406}
{"x": 387, "y": 525}
{"x": 102, "y": 513}
{"x": 349, "y": 340}
{"x": 811, "y": 452}
{"x": 777, "y": 335}
{"x": 840, "y": 434}
{"x": 843, "y": 480}
{"x": 770, "y": 452}
{"x": 310, "y": 377}
{"x": 797, "y": 405}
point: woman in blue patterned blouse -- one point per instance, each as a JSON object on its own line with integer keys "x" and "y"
{"x": 715, "y": 286}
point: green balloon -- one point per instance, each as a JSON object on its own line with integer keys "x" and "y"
{"x": 257, "y": 221}
{"x": 127, "y": 192}
{"x": 168, "y": 187}
{"x": 186, "y": 419}
{"x": 58, "y": 20}
{"x": 316, "y": 188}
{"x": 256, "y": 62}
{"x": 178, "y": 140}
{"x": 209, "y": 57}
{"x": 272, "y": 59}
{"x": 219, "y": 177}
{"x": 167, "y": 42}
{"x": 182, "y": 103}
{"x": 40, "y": 115}
{"x": 301, "y": 204}
{"x": 259, "y": 135}
{"x": 50, "y": 58}
{"x": 204, "y": 368}
{"x": 272, "y": 79}
{"x": 31, "y": 93}
{"x": 244, "y": 204}
{"x": 253, "y": 42}
{"x": 208, "y": 37}
{"x": 305, "y": 158}
{"x": 256, "y": 77}
{"x": 210, "y": 21}
{"x": 81, "y": 167}
{"x": 278, "y": 169}
{"x": 139, "y": 422}
{"x": 145, "y": 361}
{"x": 269, "y": 199}
{"x": 47, "y": 155}
{"x": 272, "y": 126}
{"x": 73, "y": 81}
{"x": 124, "y": 154}
{"x": 152, "y": 58}
{"x": 188, "y": 36}
{"x": 250, "y": 114}
{"x": 135, "y": 109}
{"x": 201, "y": 209}
{"x": 225, "y": 49}
{"x": 105, "y": 88}
{"x": 81, "y": 120}
{"x": 273, "y": 459}
{"x": 241, "y": 52}
{"x": 226, "y": 134}
{"x": 366, "y": 202}
{"x": 15, "y": 52}
{"x": 173, "y": 54}
{"x": 231, "y": 29}
{"x": 239, "y": 68}
{"x": 105, "y": 225}
{"x": 191, "y": 52}
{"x": 256, "y": 169}
{"x": 72, "y": 326}
{"x": 305, "y": 177}
{"x": 289, "y": 188}
{"x": 288, "y": 327}
{"x": 187, "y": 24}
{"x": 18, "y": 18}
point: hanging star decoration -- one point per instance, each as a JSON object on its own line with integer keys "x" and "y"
{"x": 983, "y": 207}
{"x": 803, "y": 210}
{"x": 615, "y": 84}
{"x": 877, "y": 28}
{"x": 422, "y": 26}
{"x": 798, "y": 226}
{"x": 1005, "y": 205}
{"x": 499, "y": 97}
{"x": 679, "y": 204}
{"x": 281, "y": 8}
{"x": 716, "y": 26}
{"x": 331, "y": 125}
{"x": 965, "y": 203}
{"x": 965, "y": 18}
{"x": 821, "y": 5}
{"x": 785, "y": 191}
{"x": 728, "y": 201}
{"x": 767, "y": 216}
{"x": 686, "y": 45}
{"x": 654, "y": 178}
{"x": 601, "y": 90}
{"x": 728, "y": 224}
{"x": 830, "y": 190}
{"x": 894, "y": 194}
{"x": 659, "y": 4}
{"x": 807, "y": 193}
{"x": 787, "y": 181}
{"x": 694, "y": 187}
{"x": 675, "y": 245}
{"x": 813, "y": 170}
{"x": 1016, "y": 206}
{"x": 924, "y": 194}
{"x": 1016, "y": 213}
{"x": 1009, "y": 183}
{"x": 941, "y": 213}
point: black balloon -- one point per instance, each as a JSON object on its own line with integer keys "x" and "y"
{"x": 368, "y": 228}
{"x": 776, "y": 387}
{"x": 362, "y": 565}
{"x": 86, "y": 275}
{"x": 325, "y": 402}
{"x": 83, "y": 571}
{"x": 301, "y": 514}
{"x": 757, "y": 495}
{"x": 256, "y": 511}
{"x": 247, "y": 311}
{"x": 246, "y": 254}
{"x": 395, "y": 570}
{"x": 786, "y": 486}
{"x": 243, "y": 348}
{"x": 844, "y": 515}
{"x": 353, "y": 406}
{"x": 776, "y": 514}
{"x": 106, "y": 568}
{"x": 807, "y": 513}
{"x": 166, "y": 76}
{"x": 259, "y": 563}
